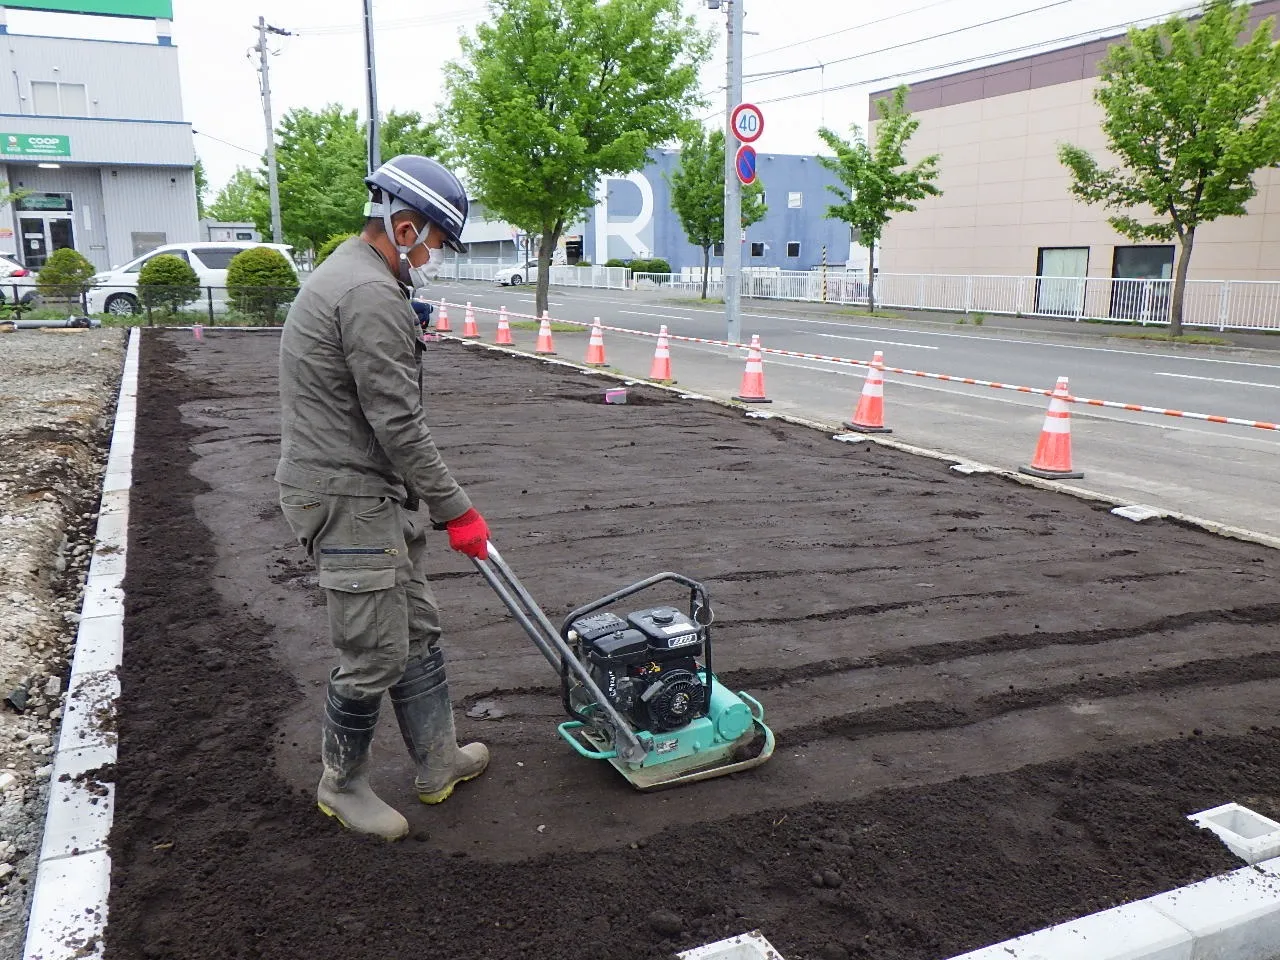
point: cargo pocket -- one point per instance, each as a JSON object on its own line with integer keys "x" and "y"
{"x": 303, "y": 513}
{"x": 367, "y": 613}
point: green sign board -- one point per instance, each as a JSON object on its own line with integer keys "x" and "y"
{"x": 149, "y": 9}
{"x": 34, "y": 144}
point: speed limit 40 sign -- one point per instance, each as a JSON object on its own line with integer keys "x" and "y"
{"x": 747, "y": 122}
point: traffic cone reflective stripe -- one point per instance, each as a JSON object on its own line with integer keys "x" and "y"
{"x": 469, "y": 328}
{"x": 868, "y": 417}
{"x": 752, "y": 390}
{"x": 1052, "y": 459}
{"x": 442, "y": 321}
{"x": 660, "y": 369}
{"x": 504, "y": 329}
{"x": 545, "y": 344}
{"x": 595, "y": 347}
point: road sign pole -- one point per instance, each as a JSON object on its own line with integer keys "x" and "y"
{"x": 732, "y": 270}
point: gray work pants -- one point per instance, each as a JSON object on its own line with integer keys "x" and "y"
{"x": 371, "y": 555}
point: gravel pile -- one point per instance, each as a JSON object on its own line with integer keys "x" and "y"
{"x": 57, "y": 394}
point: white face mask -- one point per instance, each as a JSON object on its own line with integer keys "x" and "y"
{"x": 423, "y": 275}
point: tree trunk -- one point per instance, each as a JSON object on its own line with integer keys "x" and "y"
{"x": 871, "y": 279}
{"x": 1180, "y": 283}
{"x": 546, "y": 247}
{"x": 706, "y": 267}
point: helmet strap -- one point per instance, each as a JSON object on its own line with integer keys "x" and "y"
{"x": 388, "y": 210}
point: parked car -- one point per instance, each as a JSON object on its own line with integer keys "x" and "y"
{"x": 116, "y": 291}
{"x": 16, "y": 282}
{"x": 526, "y": 272}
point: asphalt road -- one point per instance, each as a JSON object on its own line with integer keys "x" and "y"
{"x": 1223, "y": 473}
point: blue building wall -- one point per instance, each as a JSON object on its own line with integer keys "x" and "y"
{"x": 638, "y": 220}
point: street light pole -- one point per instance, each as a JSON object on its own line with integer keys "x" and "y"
{"x": 732, "y": 269}
{"x": 375, "y": 149}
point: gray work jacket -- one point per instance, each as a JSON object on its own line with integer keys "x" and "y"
{"x": 352, "y": 416}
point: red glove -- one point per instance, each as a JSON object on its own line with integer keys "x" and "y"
{"x": 469, "y": 534}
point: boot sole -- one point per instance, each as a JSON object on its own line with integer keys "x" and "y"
{"x": 440, "y": 796}
{"x": 330, "y": 812}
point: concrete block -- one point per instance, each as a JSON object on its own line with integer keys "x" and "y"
{"x": 746, "y": 946}
{"x": 113, "y": 530}
{"x": 112, "y": 482}
{"x": 1134, "y": 931}
{"x": 114, "y": 503}
{"x": 1235, "y": 916}
{"x": 103, "y": 596}
{"x": 99, "y": 645}
{"x": 105, "y": 562}
{"x": 1137, "y": 512}
{"x": 1249, "y": 835}
{"x": 69, "y": 908}
{"x": 89, "y": 711}
{"x": 79, "y": 816}
{"x": 969, "y": 468}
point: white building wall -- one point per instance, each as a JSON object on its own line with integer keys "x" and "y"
{"x": 147, "y": 199}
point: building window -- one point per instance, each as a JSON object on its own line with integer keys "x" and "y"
{"x": 244, "y": 235}
{"x": 757, "y": 248}
{"x": 1060, "y": 280}
{"x": 793, "y": 248}
{"x": 52, "y": 99}
{"x": 795, "y": 200}
{"x": 717, "y": 249}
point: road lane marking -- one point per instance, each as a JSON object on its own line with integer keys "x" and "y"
{"x": 888, "y": 343}
{"x": 1238, "y": 383}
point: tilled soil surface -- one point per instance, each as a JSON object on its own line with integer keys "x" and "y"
{"x": 994, "y": 705}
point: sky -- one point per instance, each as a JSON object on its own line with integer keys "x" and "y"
{"x": 842, "y": 50}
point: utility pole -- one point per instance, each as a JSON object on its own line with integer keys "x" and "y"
{"x": 273, "y": 183}
{"x": 371, "y": 79}
{"x": 732, "y": 187}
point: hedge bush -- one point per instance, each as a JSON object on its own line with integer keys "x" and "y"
{"x": 615, "y": 262}
{"x": 65, "y": 275}
{"x": 259, "y": 281}
{"x": 168, "y": 282}
{"x": 331, "y": 245}
{"x": 658, "y": 265}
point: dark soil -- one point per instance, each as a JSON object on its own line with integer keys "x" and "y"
{"x": 994, "y": 705}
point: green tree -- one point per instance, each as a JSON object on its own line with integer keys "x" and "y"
{"x": 876, "y": 182}
{"x": 549, "y": 95}
{"x": 235, "y": 202}
{"x": 331, "y": 245}
{"x": 321, "y": 162}
{"x": 65, "y": 275}
{"x": 259, "y": 280}
{"x": 168, "y": 282}
{"x": 202, "y": 187}
{"x": 697, "y": 193}
{"x": 1191, "y": 113}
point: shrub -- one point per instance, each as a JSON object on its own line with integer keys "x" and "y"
{"x": 583, "y": 263}
{"x": 169, "y": 282}
{"x": 658, "y": 265}
{"x": 638, "y": 265}
{"x": 331, "y": 245}
{"x": 259, "y": 280}
{"x": 615, "y": 262}
{"x": 65, "y": 275}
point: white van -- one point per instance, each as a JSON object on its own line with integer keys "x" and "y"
{"x": 116, "y": 291}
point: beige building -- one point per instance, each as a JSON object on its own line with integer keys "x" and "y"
{"x": 1006, "y": 208}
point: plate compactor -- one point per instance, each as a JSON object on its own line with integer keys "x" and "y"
{"x": 638, "y": 688}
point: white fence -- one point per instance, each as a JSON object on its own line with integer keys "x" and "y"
{"x": 1221, "y": 304}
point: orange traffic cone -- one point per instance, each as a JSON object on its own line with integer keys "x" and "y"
{"x": 752, "y": 390}
{"x": 504, "y": 329}
{"x": 442, "y": 321}
{"x": 660, "y": 369}
{"x": 595, "y": 348}
{"x": 469, "y": 328}
{"x": 544, "y": 344}
{"x": 1052, "y": 460}
{"x": 869, "y": 416}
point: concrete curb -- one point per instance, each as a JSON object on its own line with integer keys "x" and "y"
{"x": 73, "y": 876}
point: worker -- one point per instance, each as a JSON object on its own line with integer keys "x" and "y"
{"x": 357, "y": 459}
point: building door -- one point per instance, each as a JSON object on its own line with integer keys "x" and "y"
{"x": 1060, "y": 280}
{"x": 44, "y": 225}
{"x": 1142, "y": 278}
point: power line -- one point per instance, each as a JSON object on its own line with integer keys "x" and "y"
{"x": 909, "y": 43}
{"x": 226, "y": 143}
{"x": 1092, "y": 34}
{"x": 856, "y": 26}
{"x": 337, "y": 29}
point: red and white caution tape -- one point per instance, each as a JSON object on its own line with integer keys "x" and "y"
{"x": 970, "y": 381}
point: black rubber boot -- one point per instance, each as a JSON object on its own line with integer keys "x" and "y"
{"x": 344, "y": 791}
{"x": 425, "y": 715}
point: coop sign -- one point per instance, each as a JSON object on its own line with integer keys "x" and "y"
{"x": 34, "y": 145}
{"x": 146, "y": 9}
